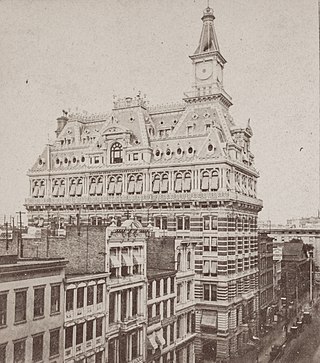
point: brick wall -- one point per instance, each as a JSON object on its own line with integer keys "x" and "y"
{"x": 161, "y": 253}
{"x": 83, "y": 248}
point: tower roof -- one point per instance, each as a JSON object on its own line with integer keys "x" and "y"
{"x": 208, "y": 39}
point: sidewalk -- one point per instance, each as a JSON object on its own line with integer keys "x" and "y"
{"x": 276, "y": 336}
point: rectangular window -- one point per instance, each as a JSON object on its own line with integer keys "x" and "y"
{"x": 165, "y": 310}
{"x": 165, "y": 286}
{"x": 54, "y": 342}
{"x": 112, "y": 305}
{"x": 3, "y": 309}
{"x": 178, "y": 293}
{"x": 20, "y": 306}
{"x": 55, "y": 299}
{"x": 157, "y": 288}
{"x": 186, "y": 223}
{"x": 210, "y": 292}
{"x": 68, "y": 337}
{"x": 80, "y": 297}
{"x": 158, "y": 309}
{"x": 206, "y": 223}
{"x": 188, "y": 290}
{"x": 179, "y": 223}
{"x": 99, "y": 293}
{"x": 150, "y": 290}
{"x": 37, "y": 348}
{"x": 171, "y": 333}
{"x": 69, "y": 300}
{"x": 19, "y": 351}
{"x": 99, "y": 322}
{"x": 89, "y": 330}
{"x": 172, "y": 307}
{"x": 38, "y": 307}
{"x": 79, "y": 333}
{"x": 172, "y": 285}
{"x": 164, "y": 223}
{"x": 206, "y": 243}
{"x": 90, "y": 290}
{"x": 206, "y": 292}
{"x": 135, "y": 292}
{"x": 134, "y": 345}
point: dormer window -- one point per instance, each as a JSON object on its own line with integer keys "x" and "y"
{"x": 116, "y": 153}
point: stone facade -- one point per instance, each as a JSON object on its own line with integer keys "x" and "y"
{"x": 186, "y": 169}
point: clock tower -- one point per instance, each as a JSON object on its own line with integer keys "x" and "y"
{"x": 208, "y": 63}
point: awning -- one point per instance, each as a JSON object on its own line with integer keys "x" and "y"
{"x": 111, "y": 187}
{"x": 61, "y": 190}
{"x": 137, "y": 260}
{"x": 92, "y": 189}
{"x": 178, "y": 185}
{"x": 99, "y": 188}
{"x": 152, "y": 343}
{"x": 56, "y": 190}
{"x": 118, "y": 187}
{"x": 164, "y": 185}
{"x": 206, "y": 267}
{"x": 156, "y": 185}
{"x": 159, "y": 339}
{"x": 131, "y": 186}
{"x": 187, "y": 184}
{"x": 205, "y": 182}
{"x": 41, "y": 191}
{"x": 114, "y": 262}
{"x": 213, "y": 267}
{"x": 139, "y": 186}
{"x": 209, "y": 318}
{"x": 79, "y": 190}
{"x": 72, "y": 191}
{"x": 126, "y": 260}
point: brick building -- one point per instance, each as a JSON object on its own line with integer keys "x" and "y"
{"x": 186, "y": 168}
{"x": 266, "y": 287}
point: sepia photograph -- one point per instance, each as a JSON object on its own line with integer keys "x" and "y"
{"x": 160, "y": 184}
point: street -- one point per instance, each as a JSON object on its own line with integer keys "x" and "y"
{"x": 305, "y": 348}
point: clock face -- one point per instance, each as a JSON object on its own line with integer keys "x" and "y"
{"x": 204, "y": 70}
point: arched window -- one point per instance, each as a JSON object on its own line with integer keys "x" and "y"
{"x": 179, "y": 261}
{"x": 92, "y": 188}
{"x": 215, "y": 180}
{"x": 79, "y": 188}
{"x": 99, "y": 188}
{"x": 164, "y": 183}
{"x": 156, "y": 184}
{"x": 139, "y": 184}
{"x": 72, "y": 190}
{"x": 116, "y": 153}
{"x": 118, "y": 188}
{"x": 187, "y": 182}
{"x": 178, "y": 183}
{"x": 62, "y": 188}
{"x": 131, "y": 185}
{"x": 111, "y": 186}
{"x": 35, "y": 190}
{"x": 205, "y": 181}
{"x": 189, "y": 260}
{"x": 55, "y": 189}
{"x": 42, "y": 189}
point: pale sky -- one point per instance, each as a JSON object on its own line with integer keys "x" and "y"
{"x": 69, "y": 54}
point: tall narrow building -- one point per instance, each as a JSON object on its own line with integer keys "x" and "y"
{"x": 187, "y": 169}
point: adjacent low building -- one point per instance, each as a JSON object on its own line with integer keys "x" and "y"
{"x": 31, "y": 310}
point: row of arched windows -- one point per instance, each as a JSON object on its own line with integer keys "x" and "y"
{"x": 209, "y": 180}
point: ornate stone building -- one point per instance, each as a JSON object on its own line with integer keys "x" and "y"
{"x": 187, "y": 169}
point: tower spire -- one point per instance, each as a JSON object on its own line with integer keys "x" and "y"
{"x": 208, "y": 40}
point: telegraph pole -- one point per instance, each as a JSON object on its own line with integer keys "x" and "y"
{"x": 20, "y": 246}
{"x": 310, "y": 278}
